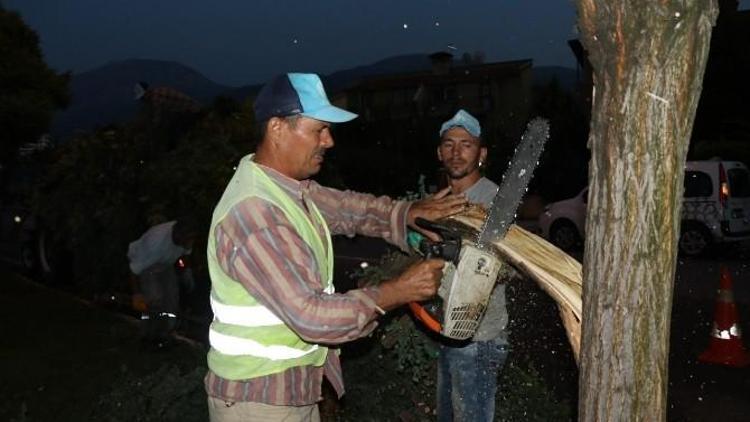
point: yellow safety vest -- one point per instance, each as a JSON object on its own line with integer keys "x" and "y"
{"x": 247, "y": 340}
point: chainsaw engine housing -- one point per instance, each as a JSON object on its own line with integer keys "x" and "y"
{"x": 466, "y": 290}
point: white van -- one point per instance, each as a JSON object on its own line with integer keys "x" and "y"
{"x": 716, "y": 209}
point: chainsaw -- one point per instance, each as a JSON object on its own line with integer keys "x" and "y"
{"x": 472, "y": 265}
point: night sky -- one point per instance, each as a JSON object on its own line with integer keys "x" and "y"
{"x": 238, "y": 42}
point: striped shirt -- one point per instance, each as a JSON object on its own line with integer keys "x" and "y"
{"x": 257, "y": 246}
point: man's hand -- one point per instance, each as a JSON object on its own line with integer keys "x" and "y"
{"x": 419, "y": 282}
{"x": 435, "y": 207}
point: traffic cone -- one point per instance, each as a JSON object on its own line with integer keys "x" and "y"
{"x": 725, "y": 346}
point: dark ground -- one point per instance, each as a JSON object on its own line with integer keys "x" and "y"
{"x": 700, "y": 391}
{"x": 59, "y": 355}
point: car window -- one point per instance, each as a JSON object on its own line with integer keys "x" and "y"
{"x": 697, "y": 184}
{"x": 739, "y": 185}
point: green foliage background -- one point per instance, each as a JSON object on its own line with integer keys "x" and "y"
{"x": 103, "y": 189}
{"x": 30, "y": 92}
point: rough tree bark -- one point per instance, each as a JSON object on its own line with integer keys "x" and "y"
{"x": 648, "y": 59}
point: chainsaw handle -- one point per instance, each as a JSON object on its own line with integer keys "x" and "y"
{"x": 421, "y": 314}
{"x": 437, "y": 228}
{"x": 448, "y": 249}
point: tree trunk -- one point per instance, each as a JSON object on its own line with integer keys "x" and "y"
{"x": 648, "y": 59}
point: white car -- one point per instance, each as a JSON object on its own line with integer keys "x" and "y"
{"x": 716, "y": 209}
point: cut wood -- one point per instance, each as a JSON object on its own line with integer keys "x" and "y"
{"x": 556, "y": 272}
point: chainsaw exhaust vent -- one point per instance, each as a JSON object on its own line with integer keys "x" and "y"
{"x": 465, "y": 320}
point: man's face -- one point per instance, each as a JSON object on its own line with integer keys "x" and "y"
{"x": 460, "y": 153}
{"x": 305, "y": 144}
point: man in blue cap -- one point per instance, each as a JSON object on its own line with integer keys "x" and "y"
{"x": 270, "y": 259}
{"x": 467, "y": 371}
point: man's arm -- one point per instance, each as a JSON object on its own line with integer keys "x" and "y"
{"x": 350, "y": 213}
{"x": 257, "y": 247}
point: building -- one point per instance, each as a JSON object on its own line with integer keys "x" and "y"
{"x": 401, "y": 113}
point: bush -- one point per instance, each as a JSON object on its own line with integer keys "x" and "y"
{"x": 104, "y": 189}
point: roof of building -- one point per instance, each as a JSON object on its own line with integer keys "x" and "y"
{"x": 456, "y": 74}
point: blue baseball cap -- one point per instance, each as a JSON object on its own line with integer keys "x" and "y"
{"x": 463, "y": 120}
{"x": 297, "y": 93}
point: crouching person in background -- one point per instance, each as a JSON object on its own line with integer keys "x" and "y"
{"x": 157, "y": 271}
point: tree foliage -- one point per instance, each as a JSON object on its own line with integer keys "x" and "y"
{"x": 30, "y": 92}
{"x": 105, "y": 188}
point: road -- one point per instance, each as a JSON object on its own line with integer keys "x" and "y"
{"x": 700, "y": 391}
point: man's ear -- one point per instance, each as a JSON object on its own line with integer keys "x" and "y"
{"x": 439, "y": 154}
{"x": 274, "y": 128}
{"x": 483, "y": 154}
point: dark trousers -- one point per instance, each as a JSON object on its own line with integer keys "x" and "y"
{"x": 160, "y": 288}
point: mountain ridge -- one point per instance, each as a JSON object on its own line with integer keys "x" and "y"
{"x": 104, "y": 95}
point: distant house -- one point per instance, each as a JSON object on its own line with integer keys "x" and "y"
{"x": 400, "y": 114}
{"x": 166, "y": 98}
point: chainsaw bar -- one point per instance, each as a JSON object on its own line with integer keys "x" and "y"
{"x": 502, "y": 211}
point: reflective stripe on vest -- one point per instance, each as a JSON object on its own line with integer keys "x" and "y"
{"x": 235, "y": 346}
{"x": 247, "y": 316}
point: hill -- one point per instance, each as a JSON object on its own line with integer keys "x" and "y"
{"x": 105, "y": 95}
